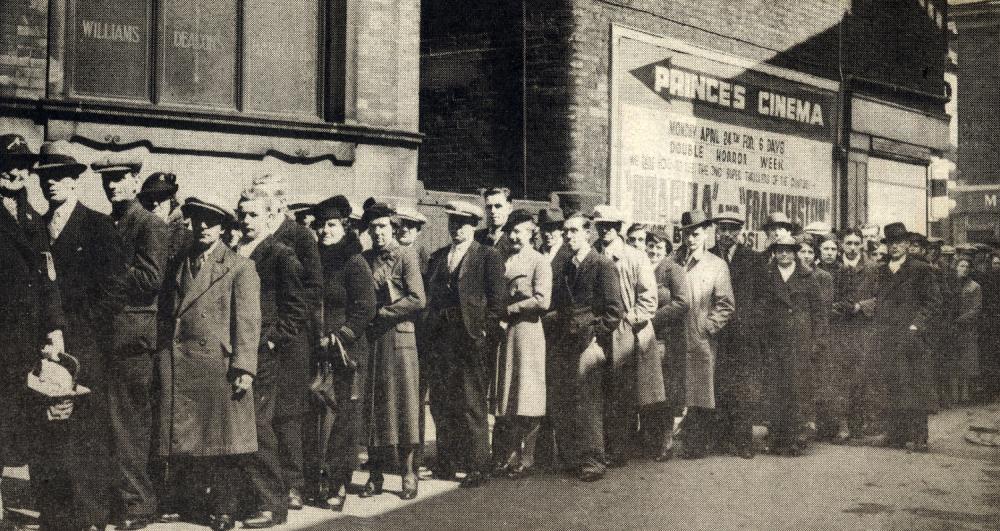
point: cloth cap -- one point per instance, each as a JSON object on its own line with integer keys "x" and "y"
{"x": 209, "y": 206}
{"x": 464, "y": 209}
{"x": 607, "y": 214}
{"x": 117, "y": 163}
{"x": 158, "y": 185}
{"x": 411, "y": 215}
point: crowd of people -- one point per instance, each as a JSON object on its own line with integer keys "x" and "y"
{"x": 228, "y": 364}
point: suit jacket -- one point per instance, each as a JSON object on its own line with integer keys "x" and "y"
{"x": 481, "y": 288}
{"x": 302, "y": 242}
{"x": 145, "y": 242}
{"x": 503, "y": 245}
{"x": 30, "y": 306}
{"x": 214, "y": 321}
{"x": 587, "y": 301}
{"x": 739, "y": 355}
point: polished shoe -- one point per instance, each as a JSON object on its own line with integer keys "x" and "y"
{"x": 665, "y": 455}
{"x": 373, "y": 487}
{"x": 295, "y": 500}
{"x": 588, "y": 475}
{"x": 338, "y": 499}
{"x": 499, "y": 470}
{"x": 520, "y": 471}
{"x": 473, "y": 480}
{"x": 168, "y": 518}
{"x": 410, "y": 487}
{"x": 264, "y": 520}
{"x": 221, "y": 522}
{"x": 133, "y": 523}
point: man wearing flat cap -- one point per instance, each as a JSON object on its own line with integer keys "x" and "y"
{"x": 712, "y": 305}
{"x": 134, "y": 336}
{"x": 211, "y": 307}
{"x": 31, "y": 313}
{"x": 466, "y": 300}
{"x": 905, "y": 298}
{"x": 89, "y": 265}
{"x": 738, "y": 361}
{"x": 636, "y": 371}
{"x": 791, "y": 318}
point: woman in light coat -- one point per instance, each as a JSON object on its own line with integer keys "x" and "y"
{"x": 519, "y": 385}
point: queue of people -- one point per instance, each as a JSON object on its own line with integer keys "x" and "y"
{"x": 235, "y": 360}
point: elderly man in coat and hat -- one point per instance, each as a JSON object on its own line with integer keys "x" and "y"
{"x": 71, "y": 468}
{"x": 712, "y": 305}
{"x": 738, "y": 365}
{"x": 134, "y": 336}
{"x": 211, "y": 304}
{"x": 906, "y": 296}
{"x": 31, "y": 313}
{"x": 466, "y": 300}
{"x": 636, "y": 371}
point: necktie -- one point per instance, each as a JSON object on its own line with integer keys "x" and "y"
{"x": 11, "y": 205}
{"x": 196, "y": 264}
{"x": 55, "y": 225}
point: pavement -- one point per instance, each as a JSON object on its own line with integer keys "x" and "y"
{"x": 954, "y": 487}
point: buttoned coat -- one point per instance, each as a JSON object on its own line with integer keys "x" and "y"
{"x": 634, "y": 342}
{"x": 30, "y": 308}
{"x": 587, "y": 303}
{"x": 215, "y": 329}
{"x": 144, "y": 242}
{"x": 712, "y": 305}
{"x": 673, "y": 304}
{"x": 284, "y": 313}
{"x": 738, "y": 367}
{"x": 903, "y": 299}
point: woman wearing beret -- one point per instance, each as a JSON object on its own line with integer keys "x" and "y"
{"x": 392, "y": 393}
{"x": 519, "y": 386}
{"x": 348, "y": 297}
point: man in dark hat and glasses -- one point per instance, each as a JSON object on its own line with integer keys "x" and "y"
{"x": 31, "y": 312}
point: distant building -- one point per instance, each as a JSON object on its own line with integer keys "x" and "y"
{"x": 814, "y": 108}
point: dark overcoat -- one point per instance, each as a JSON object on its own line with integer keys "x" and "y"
{"x": 215, "y": 334}
{"x": 738, "y": 365}
{"x": 283, "y": 316}
{"x": 792, "y": 322}
{"x": 30, "y": 308}
{"x": 905, "y": 299}
{"x": 145, "y": 245}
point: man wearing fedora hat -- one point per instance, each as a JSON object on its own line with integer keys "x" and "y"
{"x": 791, "y": 319}
{"x": 31, "y": 308}
{"x": 211, "y": 309}
{"x": 134, "y": 335}
{"x": 712, "y": 305}
{"x": 89, "y": 266}
{"x": 906, "y": 296}
{"x": 739, "y": 348}
{"x": 636, "y": 371}
{"x": 466, "y": 300}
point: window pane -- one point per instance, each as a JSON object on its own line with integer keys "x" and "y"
{"x": 199, "y": 52}
{"x": 281, "y": 55}
{"x": 111, "y": 48}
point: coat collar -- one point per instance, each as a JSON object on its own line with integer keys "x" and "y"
{"x": 216, "y": 266}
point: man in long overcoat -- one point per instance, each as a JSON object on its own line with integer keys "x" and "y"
{"x": 71, "y": 468}
{"x": 466, "y": 297}
{"x": 211, "y": 303}
{"x": 636, "y": 371}
{"x": 588, "y": 306}
{"x": 791, "y": 318}
{"x": 712, "y": 305}
{"x": 31, "y": 310}
{"x": 133, "y": 340}
{"x": 905, "y": 298}
{"x": 284, "y": 313}
{"x": 737, "y": 368}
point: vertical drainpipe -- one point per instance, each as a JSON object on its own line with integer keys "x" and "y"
{"x": 842, "y": 145}
{"x": 524, "y": 99}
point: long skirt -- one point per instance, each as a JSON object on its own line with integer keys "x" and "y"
{"x": 392, "y": 397}
{"x": 519, "y": 386}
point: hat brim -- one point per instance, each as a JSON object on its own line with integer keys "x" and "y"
{"x": 727, "y": 219}
{"x": 157, "y": 194}
{"x": 466, "y": 215}
{"x": 18, "y": 159}
{"x": 792, "y": 227}
{"x": 68, "y": 169}
{"x": 704, "y": 223}
{"x": 790, "y": 246}
{"x": 192, "y": 209}
{"x": 115, "y": 169}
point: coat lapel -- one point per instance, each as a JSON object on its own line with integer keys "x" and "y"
{"x": 780, "y": 287}
{"x": 69, "y": 231}
{"x": 9, "y": 226}
{"x": 212, "y": 271}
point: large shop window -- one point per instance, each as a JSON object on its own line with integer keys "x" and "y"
{"x": 897, "y": 191}
{"x": 247, "y": 56}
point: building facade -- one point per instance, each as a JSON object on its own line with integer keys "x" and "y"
{"x": 221, "y": 91}
{"x": 812, "y": 108}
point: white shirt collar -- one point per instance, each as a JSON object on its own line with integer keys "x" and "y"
{"x": 894, "y": 265}
{"x": 853, "y": 263}
{"x": 786, "y": 271}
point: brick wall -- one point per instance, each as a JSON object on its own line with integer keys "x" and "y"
{"x": 978, "y": 92}
{"x": 23, "y": 46}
